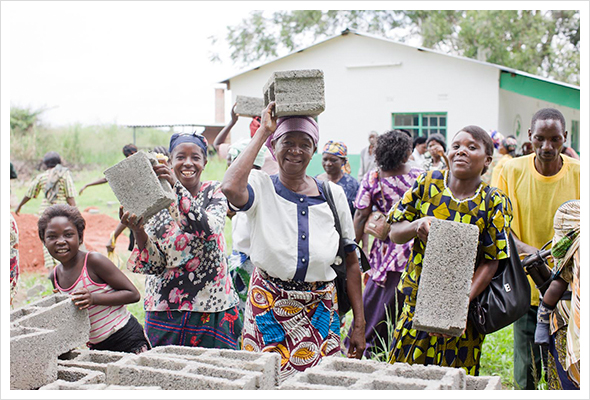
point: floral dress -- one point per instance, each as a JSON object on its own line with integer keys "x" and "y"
{"x": 189, "y": 297}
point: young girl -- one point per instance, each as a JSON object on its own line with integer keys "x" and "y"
{"x": 93, "y": 281}
{"x": 455, "y": 194}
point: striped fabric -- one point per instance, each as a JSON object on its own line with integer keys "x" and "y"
{"x": 104, "y": 320}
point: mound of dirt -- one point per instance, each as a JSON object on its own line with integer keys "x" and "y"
{"x": 97, "y": 233}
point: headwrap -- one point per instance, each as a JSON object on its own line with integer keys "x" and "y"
{"x": 510, "y": 144}
{"x": 254, "y": 125}
{"x": 338, "y": 149}
{"x": 297, "y": 123}
{"x": 497, "y": 138}
{"x": 237, "y": 148}
{"x": 194, "y": 137}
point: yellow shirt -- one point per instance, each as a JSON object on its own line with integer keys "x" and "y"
{"x": 535, "y": 199}
{"x": 498, "y": 169}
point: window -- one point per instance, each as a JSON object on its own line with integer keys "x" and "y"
{"x": 421, "y": 124}
{"x": 575, "y": 136}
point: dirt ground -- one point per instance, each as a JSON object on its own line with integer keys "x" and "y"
{"x": 97, "y": 233}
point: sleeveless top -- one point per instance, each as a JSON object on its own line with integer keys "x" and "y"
{"x": 104, "y": 320}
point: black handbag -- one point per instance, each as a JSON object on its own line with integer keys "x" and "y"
{"x": 339, "y": 265}
{"x": 507, "y": 297}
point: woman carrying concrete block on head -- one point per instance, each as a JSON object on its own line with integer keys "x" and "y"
{"x": 454, "y": 194}
{"x": 189, "y": 299}
{"x": 291, "y": 307}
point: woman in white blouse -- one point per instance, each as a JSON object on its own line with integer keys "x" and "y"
{"x": 292, "y": 307}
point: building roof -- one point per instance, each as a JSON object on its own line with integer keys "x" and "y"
{"x": 351, "y": 31}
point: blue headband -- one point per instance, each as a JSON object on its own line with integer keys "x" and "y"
{"x": 194, "y": 137}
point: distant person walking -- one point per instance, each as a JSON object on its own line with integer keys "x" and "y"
{"x": 368, "y": 156}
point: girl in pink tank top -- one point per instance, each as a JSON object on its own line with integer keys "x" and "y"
{"x": 93, "y": 282}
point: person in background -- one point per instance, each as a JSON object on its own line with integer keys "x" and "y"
{"x": 526, "y": 149}
{"x": 436, "y": 146}
{"x": 128, "y": 150}
{"x": 497, "y": 139}
{"x": 334, "y": 161}
{"x": 537, "y": 185}
{"x": 419, "y": 150}
{"x": 368, "y": 156}
{"x": 58, "y": 188}
{"x": 570, "y": 152}
{"x": 507, "y": 151}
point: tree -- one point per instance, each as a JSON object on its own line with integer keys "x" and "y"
{"x": 22, "y": 120}
{"x": 545, "y": 43}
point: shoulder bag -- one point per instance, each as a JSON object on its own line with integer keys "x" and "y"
{"x": 508, "y": 296}
{"x": 377, "y": 224}
{"x": 339, "y": 265}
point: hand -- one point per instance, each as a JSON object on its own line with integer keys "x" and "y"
{"x": 109, "y": 246}
{"x": 234, "y": 115}
{"x": 17, "y": 211}
{"x": 357, "y": 343}
{"x": 268, "y": 122}
{"x": 423, "y": 228}
{"x": 163, "y": 171}
{"x": 82, "y": 298}
{"x": 130, "y": 221}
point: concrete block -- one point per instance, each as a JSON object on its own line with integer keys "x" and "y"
{"x": 137, "y": 186}
{"x": 483, "y": 383}
{"x": 447, "y": 269}
{"x": 172, "y": 373}
{"x": 96, "y": 360}
{"x": 56, "y": 312}
{"x": 33, "y": 362}
{"x": 71, "y": 378}
{"x": 249, "y": 106}
{"x": 265, "y": 365}
{"x": 296, "y": 92}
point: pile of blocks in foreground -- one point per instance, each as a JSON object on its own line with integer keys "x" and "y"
{"x": 445, "y": 282}
{"x": 296, "y": 92}
{"x": 39, "y": 333}
{"x": 137, "y": 186}
{"x": 249, "y": 106}
{"x": 338, "y": 373}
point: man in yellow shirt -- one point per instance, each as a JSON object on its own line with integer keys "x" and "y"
{"x": 537, "y": 184}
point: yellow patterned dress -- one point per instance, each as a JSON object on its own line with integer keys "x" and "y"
{"x": 430, "y": 196}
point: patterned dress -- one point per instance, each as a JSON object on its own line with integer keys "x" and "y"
{"x": 430, "y": 196}
{"x": 189, "y": 297}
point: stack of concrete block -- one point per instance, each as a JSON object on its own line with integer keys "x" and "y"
{"x": 338, "y": 373}
{"x": 445, "y": 282}
{"x": 483, "y": 383}
{"x": 296, "y": 92}
{"x": 137, "y": 186}
{"x": 33, "y": 363}
{"x": 172, "y": 373}
{"x": 249, "y": 106}
{"x": 70, "y": 378}
{"x": 95, "y": 360}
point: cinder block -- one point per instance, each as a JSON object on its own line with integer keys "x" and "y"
{"x": 137, "y": 186}
{"x": 447, "y": 269}
{"x": 56, "y": 312}
{"x": 33, "y": 362}
{"x": 172, "y": 373}
{"x": 96, "y": 360}
{"x": 483, "y": 383}
{"x": 72, "y": 378}
{"x": 296, "y": 92}
{"x": 249, "y": 106}
{"x": 265, "y": 365}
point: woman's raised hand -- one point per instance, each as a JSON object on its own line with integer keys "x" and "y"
{"x": 131, "y": 221}
{"x": 423, "y": 228}
{"x": 163, "y": 171}
{"x": 268, "y": 122}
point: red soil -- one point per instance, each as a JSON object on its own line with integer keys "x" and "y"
{"x": 97, "y": 233}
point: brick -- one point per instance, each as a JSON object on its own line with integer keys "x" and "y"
{"x": 137, "y": 186}
{"x": 249, "y": 106}
{"x": 96, "y": 360}
{"x": 296, "y": 92}
{"x": 483, "y": 383}
{"x": 33, "y": 363}
{"x": 70, "y": 378}
{"x": 447, "y": 269}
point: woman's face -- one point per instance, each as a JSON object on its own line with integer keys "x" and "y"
{"x": 62, "y": 239}
{"x": 467, "y": 156}
{"x": 332, "y": 164}
{"x": 293, "y": 152}
{"x": 435, "y": 149}
{"x": 188, "y": 163}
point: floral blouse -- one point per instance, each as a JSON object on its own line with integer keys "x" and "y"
{"x": 184, "y": 256}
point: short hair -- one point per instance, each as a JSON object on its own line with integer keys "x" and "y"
{"x": 548, "y": 114}
{"x": 483, "y": 137}
{"x": 61, "y": 210}
{"x": 392, "y": 149}
{"x": 439, "y": 138}
{"x": 51, "y": 159}
{"x": 129, "y": 149}
{"x": 419, "y": 140}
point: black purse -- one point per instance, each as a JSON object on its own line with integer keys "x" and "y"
{"x": 339, "y": 265}
{"x": 507, "y": 297}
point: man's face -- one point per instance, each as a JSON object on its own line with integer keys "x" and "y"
{"x": 547, "y": 139}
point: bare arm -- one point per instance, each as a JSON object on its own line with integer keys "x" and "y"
{"x": 482, "y": 277}
{"x": 220, "y": 138}
{"x": 404, "y": 231}
{"x": 118, "y": 230}
{"x": 360, "y": 218}
{"x": 522, "y": 247}
{"x": 21, "y": 204}
{"x": 71, "y": 201}
{"x": 96, "y": 182}
{"x": 235, "y": 181}
{"x": 353, "y": 289}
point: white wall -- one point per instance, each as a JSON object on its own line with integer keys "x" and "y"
{"x": 359, "y": 100}
{"x": 516, "y": 108}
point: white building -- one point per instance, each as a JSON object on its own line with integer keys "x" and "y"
{"x": 373, "y": 83}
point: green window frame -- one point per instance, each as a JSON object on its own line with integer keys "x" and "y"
{"x": 575, "y": 136}
{"x": 421, "y": 123}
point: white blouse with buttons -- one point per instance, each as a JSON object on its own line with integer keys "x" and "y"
{"x": 292, "y": 236}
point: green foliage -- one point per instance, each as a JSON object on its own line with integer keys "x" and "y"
{"x": 544, "y": 43}
{"x": 23, "y": 119}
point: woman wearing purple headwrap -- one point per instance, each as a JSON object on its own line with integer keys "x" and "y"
{"x": 291, "y": 307}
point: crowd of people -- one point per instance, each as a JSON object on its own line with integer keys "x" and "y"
{"x": 275, "y": 291}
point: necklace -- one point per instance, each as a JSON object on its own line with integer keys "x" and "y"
{"x": 446, "y": 178}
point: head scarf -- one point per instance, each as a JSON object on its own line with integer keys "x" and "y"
{"x": 497, "y": 138}
{"x": 297, "y": 123}
{"x": 510, "y": 144}
{"x": 254, "y": 125}
{"x": 194, "y": 137}
{"x": 237, "y": 148}
{"x": 338, "y": 149}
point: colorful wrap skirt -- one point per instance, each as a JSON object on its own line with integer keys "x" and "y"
{"x": 298, "y": 320}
